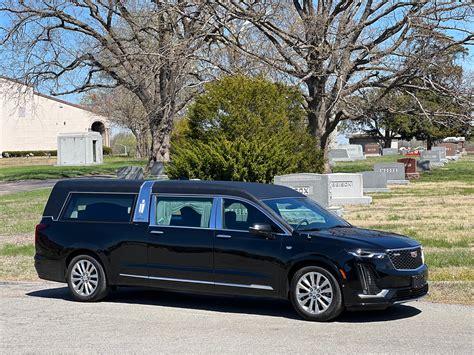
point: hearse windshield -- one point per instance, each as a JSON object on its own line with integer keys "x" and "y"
{"x": 303, "y": 214}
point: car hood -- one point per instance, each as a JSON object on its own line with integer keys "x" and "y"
{"x": 367, "y": 238}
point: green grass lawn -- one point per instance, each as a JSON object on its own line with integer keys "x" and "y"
{"x": 17, "y": 171}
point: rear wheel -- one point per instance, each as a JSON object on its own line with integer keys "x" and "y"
{"x": 86, "y": 279}
{"x": 316, "y": 294}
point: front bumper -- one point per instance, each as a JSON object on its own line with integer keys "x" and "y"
{"x": 380, "y": 286}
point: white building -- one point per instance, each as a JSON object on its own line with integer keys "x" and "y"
{"x": 30, "y": 121}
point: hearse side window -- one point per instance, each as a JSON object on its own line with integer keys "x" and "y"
{"x": 183, "y": 211}
{"x": 88, "y": 207}
{"x": 239, "y": 215}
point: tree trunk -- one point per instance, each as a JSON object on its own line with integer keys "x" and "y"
{"x": 429, "y": 143}
{"x": 160, "y": 129}
{"x": 387, "y": 140}
{"x": 318, "y": 119}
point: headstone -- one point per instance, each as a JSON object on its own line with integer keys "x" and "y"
{"x": 469, "y": 150}
{"x": 442, "y": 151}
{"x": 410, "y": 168}
{"x": 434, "y": 157}
{"x": 327, "y": 189}
{"x": 423, "y": 165}
{"x": 395, "y": 172}
{"x": 83, "y": 148}
{"x": 354, "y": 151}
{"x": 372, "y": 149}
{"x": 390, "y": 151}
{"x": 451, "y": 149}
{"x": 130, "y": 173}
{"x": 157, "y": 168}
{"x": 375, "y": 181}
{"x": 338, "y": 155}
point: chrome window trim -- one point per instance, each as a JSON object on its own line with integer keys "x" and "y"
{"x": 218, "y": 213}
{"x": 153, "y": 211}
{"x": 259, "y": 287}
{"x": 285, "y": 230}
{"x": 66, "y": 201}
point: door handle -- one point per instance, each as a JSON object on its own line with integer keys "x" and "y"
{"x": 156, "y": 232}
{"x": 223, "y": 236}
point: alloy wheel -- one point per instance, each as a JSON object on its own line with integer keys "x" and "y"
{"x": 84, "y": 277}
{"x": 314, "y": 292}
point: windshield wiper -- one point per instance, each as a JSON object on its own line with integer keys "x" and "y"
{"x": 309, "y": 229}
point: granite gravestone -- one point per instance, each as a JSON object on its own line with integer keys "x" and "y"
{"x": 335, "y": 155}
{"x": 130, "y": 173}
{"x": 469, "y": 150}
{"x": 372, "y": 149}
{"x": 395, "y": 172}
{"x": 451, "y": 150}
{"x": 354, "y": 151}
{"x": 327, "y": 189}
{"x": 375, "y": 181}
{"x": 390, "y": 151}
{"x": 410, "y": 168}
{"x": 434, "y": 157}
{"x": 442, "y": 151}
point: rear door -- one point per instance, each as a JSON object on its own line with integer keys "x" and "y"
{"x": 180, "y": 242}
{"x": 245, "y": 263}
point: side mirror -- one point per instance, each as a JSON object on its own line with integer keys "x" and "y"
{"x": 261, "y": 229}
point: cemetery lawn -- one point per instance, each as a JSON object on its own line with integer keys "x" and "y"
{"x": 42, "y": 168}
{"x": 437, "y": 210}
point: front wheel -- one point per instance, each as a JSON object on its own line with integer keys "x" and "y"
{"x": 86, "y": 279}
{"x": 316, "y": 294}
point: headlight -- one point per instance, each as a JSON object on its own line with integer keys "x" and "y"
{"x": 367, "y": 254}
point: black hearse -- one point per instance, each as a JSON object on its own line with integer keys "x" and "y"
{"x": 230, "y": 238}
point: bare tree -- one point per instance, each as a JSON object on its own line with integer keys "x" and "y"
{"x": 122, "y": 108}
{"x": 338, "y": 49}
{"x": 145, "y": 47}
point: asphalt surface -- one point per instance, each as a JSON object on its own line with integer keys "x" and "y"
{"x": 29, "y": 185}
{"x": 42, "y": 318}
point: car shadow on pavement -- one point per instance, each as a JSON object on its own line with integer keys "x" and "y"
{"x": 227, "y": 304}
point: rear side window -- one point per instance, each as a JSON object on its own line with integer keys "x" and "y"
{"x": 99, "y": 208}
{"x": 183, "y": 212}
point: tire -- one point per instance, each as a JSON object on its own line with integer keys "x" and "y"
{"x": 313, "y": 303}
{"x": 86, "y": 279}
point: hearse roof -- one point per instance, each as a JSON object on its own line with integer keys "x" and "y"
{"x": 231, "y": 188}
{"x": 249, "y": 190}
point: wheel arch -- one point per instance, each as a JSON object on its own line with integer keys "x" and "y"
{"x": 318, "y": 261}
{"x": 82, "y": 251}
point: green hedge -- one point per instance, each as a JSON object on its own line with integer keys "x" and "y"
{"x": 42, "y": 153}
{"x": 24, "y": 153}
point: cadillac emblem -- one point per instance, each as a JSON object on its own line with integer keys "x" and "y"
{"x": 414, "y": 254}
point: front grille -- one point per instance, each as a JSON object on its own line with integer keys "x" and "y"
{"x": 367, "y": 279}
{"x": 410, "y": 293}
{"x": 405, "y": 259}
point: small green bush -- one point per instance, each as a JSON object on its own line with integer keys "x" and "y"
{"x": 24, "y": 153}
{"x": 106, "y": 150}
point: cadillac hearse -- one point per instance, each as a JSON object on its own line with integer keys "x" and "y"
{"x": 230, "y": 238}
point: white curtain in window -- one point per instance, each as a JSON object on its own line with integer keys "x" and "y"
{"x": 165, "y": 209}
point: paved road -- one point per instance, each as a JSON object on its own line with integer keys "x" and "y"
{"x": 29, "y": 185}
{"x": 40, "y": 317}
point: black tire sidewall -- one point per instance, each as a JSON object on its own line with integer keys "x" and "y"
{"x": 102, "y": 287}
{"x": 336, "y": 306}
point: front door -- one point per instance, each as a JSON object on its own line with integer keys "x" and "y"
{"x": 180, "y": 243}
{"x": 245, "y": 263}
